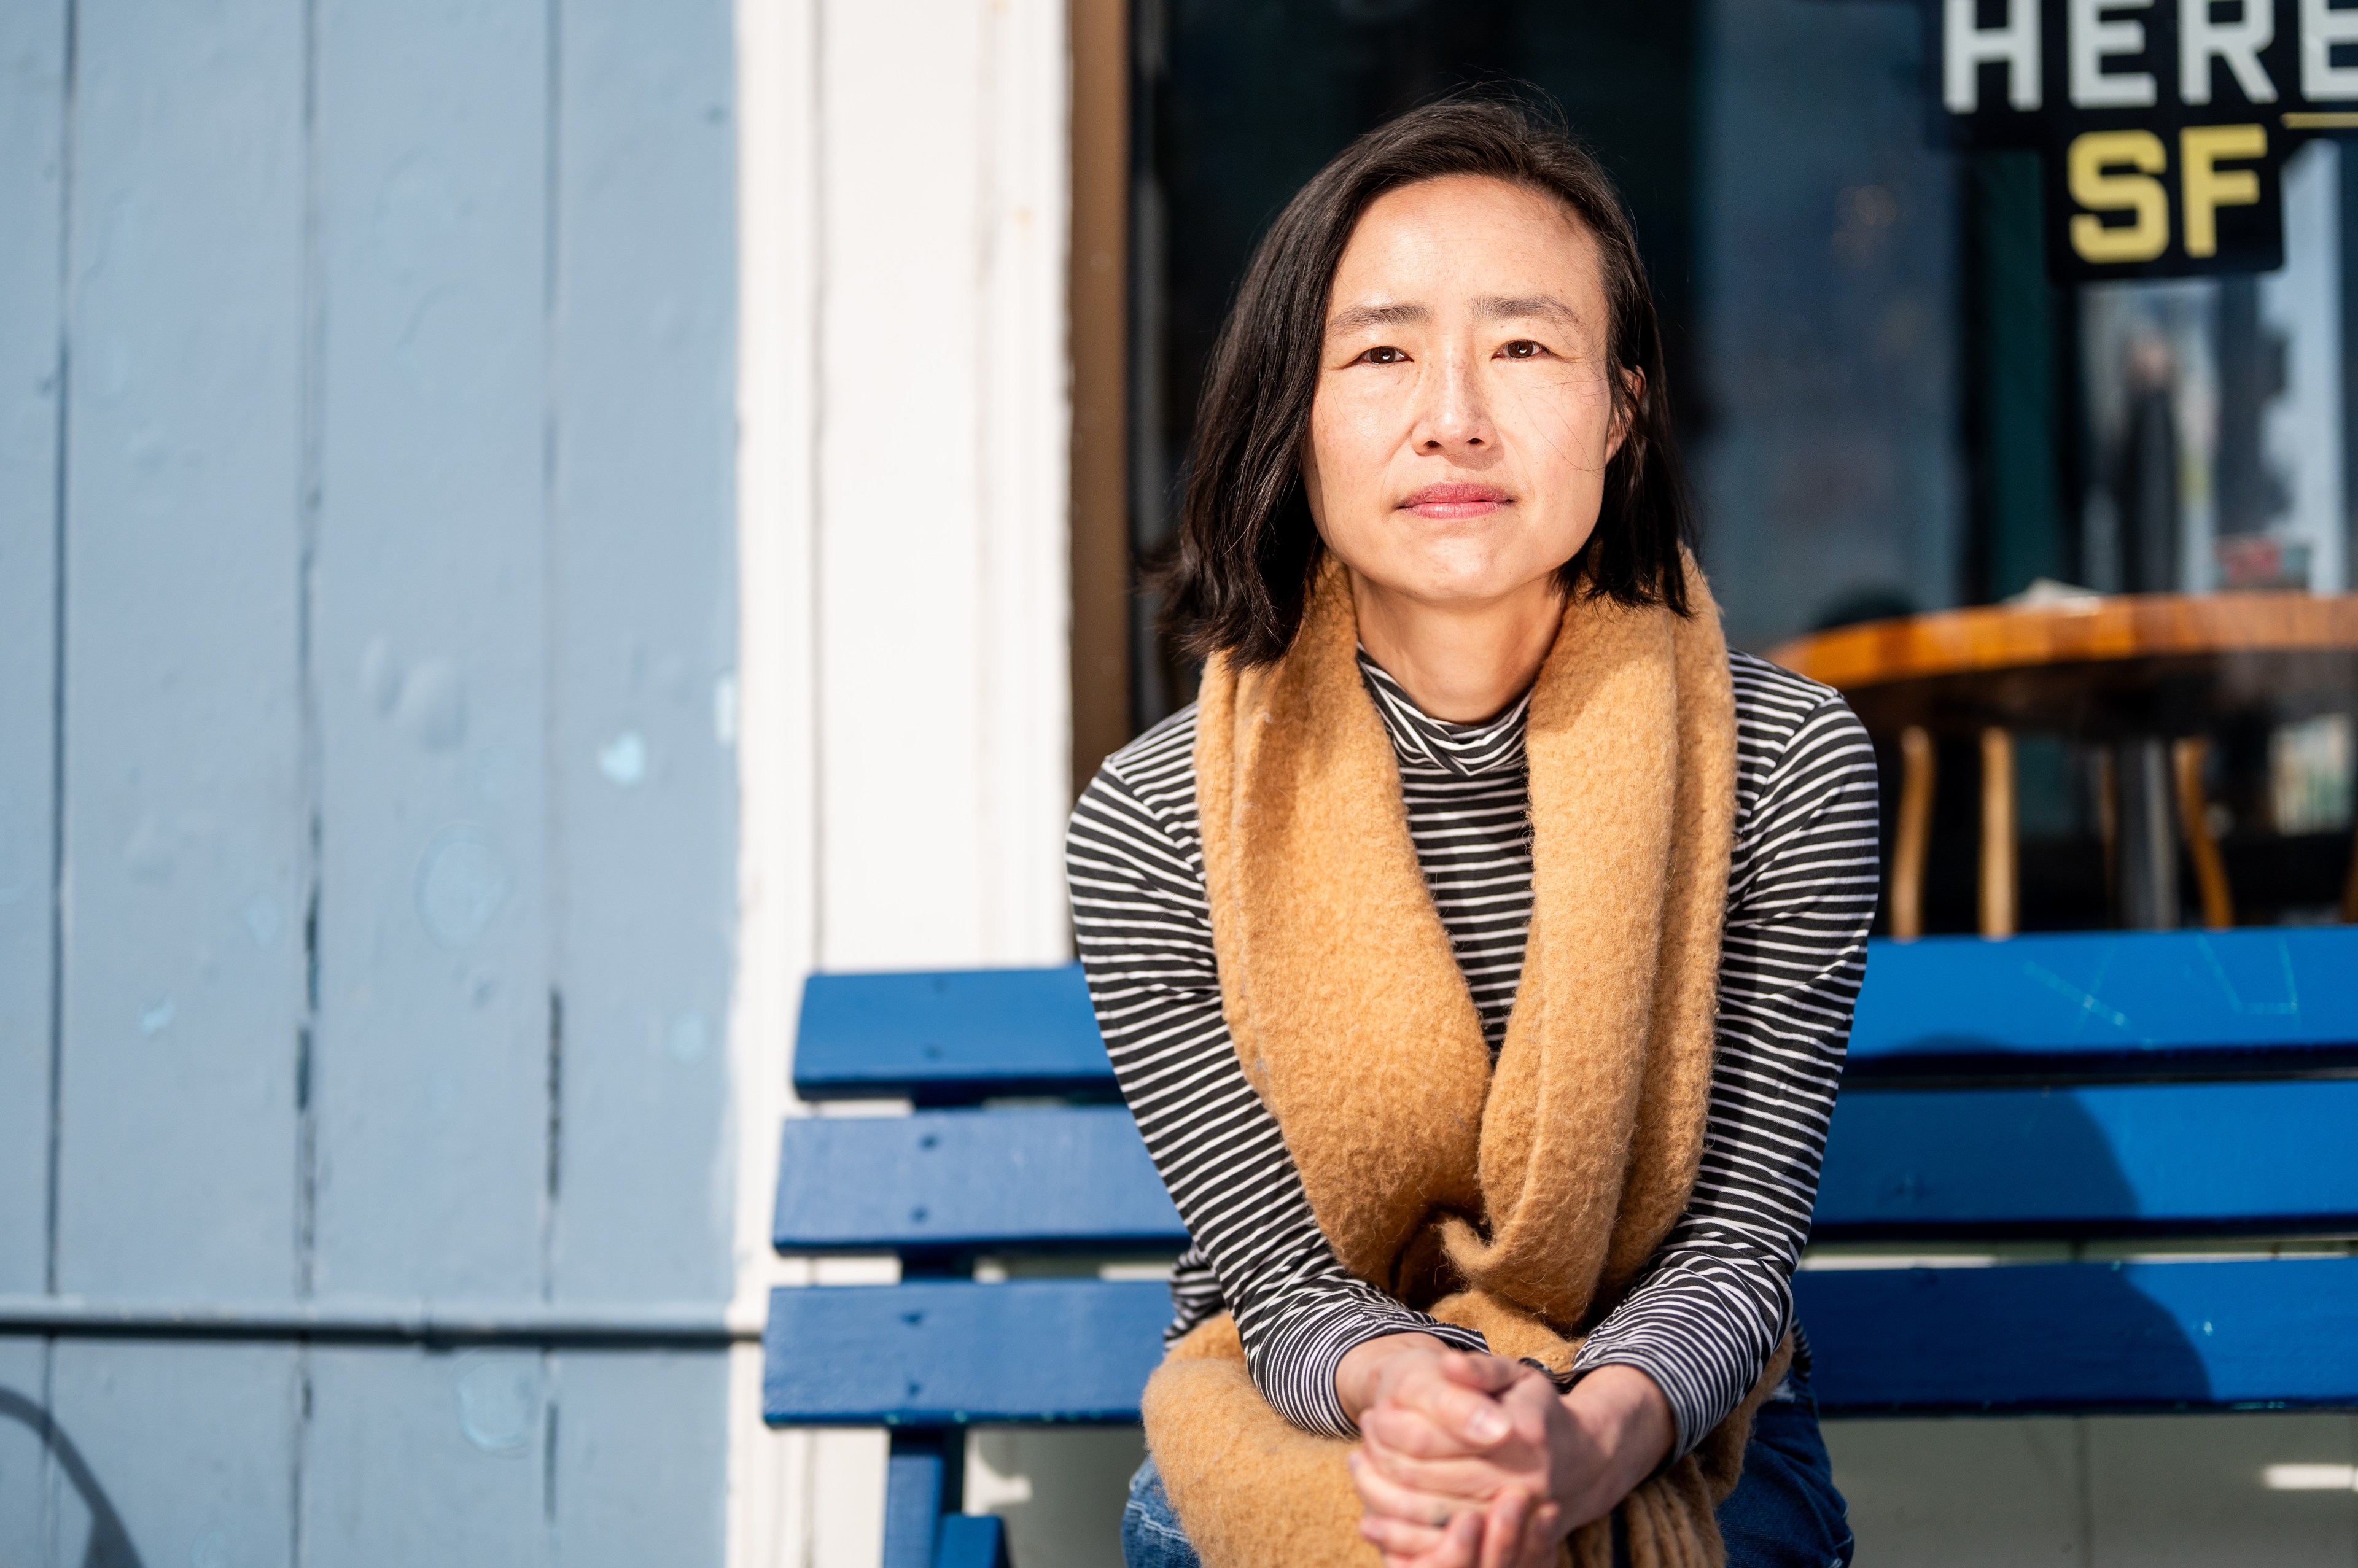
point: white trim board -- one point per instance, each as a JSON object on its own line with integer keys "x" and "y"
{"x": 902, "y": 701}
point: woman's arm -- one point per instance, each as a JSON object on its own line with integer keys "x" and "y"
{"x": 1135, "y": 865}
{"x": 1718, "y": 1297}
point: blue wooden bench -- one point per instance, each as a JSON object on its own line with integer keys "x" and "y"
{"x": 2106, "y": 1088}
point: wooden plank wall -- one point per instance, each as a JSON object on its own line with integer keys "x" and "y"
{"x": 32, "y": 125}
{"x": 367, "y": 590}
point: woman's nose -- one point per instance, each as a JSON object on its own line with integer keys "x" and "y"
{"x": 1455, "y": 415}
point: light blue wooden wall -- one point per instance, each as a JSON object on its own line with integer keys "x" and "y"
{"x": 367, "y": 813}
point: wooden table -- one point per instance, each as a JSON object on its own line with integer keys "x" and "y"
{"x": 2144, "y": 675}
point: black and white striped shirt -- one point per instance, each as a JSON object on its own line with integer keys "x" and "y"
{"x": 1709, "y": 1309}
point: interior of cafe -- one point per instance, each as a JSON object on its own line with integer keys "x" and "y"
{"x": 1892, "y": 408}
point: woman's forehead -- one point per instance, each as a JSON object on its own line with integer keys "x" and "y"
{"x": 1465, "y": 241}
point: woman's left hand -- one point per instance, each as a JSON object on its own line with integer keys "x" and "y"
{"x": 1435, "y": 1498}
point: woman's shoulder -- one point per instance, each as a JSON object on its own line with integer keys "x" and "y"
{"x": 1790, "y": 731}
{"x": 1157, "y": 770}
{"x": 1775, "y": 706}
{"x": 1771, "y": 695}
{"x": 1134, "y": 842}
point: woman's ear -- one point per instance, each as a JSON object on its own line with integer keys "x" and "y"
{"x": 1314, "y": 495}
{"x": 1625, "y": 409}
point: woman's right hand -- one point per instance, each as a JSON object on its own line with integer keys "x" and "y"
{"x": 1444, "y": 1402}
{"x": 1566, "y": 1459}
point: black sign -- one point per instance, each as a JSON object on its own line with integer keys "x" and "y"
{"x": 2163, "y": 123}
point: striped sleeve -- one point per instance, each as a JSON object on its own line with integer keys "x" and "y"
{"x": 1716, "y": 1297}
{"x": 1134, "y": 860}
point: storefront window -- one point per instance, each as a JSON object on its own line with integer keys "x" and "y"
{"x": 1890, "y": 406}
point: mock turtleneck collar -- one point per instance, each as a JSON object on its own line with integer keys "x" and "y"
{"x": 1492, "y": 746}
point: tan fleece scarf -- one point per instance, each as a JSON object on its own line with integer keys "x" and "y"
{"x": 1520, "y": 1200}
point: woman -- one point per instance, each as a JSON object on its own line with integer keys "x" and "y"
{"x": 1477, "y": 955}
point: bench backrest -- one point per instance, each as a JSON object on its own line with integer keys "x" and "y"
{"x": 2105, "y": 1086}
{"x": 2108, "y": 1084}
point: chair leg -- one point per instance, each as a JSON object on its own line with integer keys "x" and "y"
{"x": 1912, "y": 834}
{"x": 2108, "y": 815}
{"x": 2146, "y": 861}
{"x": 2350, "y": 888}
{"x": 971, "y": 1540}
{"x": 1999, "y": 851}
{"x": 923, "y": 1480}
{"x": 2194, "y": 820}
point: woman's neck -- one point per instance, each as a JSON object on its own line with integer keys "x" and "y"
{"x": 1461, "y": 664}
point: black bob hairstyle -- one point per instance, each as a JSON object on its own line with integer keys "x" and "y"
{"x": 1238, "y": 577}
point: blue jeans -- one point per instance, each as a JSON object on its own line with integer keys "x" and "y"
{"x": 1784, "y": 1512}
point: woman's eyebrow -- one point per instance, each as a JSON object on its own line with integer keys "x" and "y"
{"x": 1360, "y": 317}
{"x": 1524, "y": 307}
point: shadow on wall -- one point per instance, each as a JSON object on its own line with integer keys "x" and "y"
{"x": 110, "y": 1546}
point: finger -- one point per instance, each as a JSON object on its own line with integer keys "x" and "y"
{"x": 1411, "y": 1434}
{"x": 1468, "y": 1480}
{"x": 1542, "y": 1542}
{"x": 1380, "y": 1493}
{"x": 1399, "y": 1538}
{"x": 1458, "y": 1543}
{"x": 1409, "y": 1546}
{"x": 1407, "y": 1430}
{"x": 1541, "y": 1530}
{"x": 1406, "y": 1439}
{"x": 1487, "y": 1374}
{"x": 1439, "y": 1421}
{"x": 1502, "y": 1530}
{"x": 1533, "y": 1393}
{"x": 1531, "y": 1407}
{"x": 1472, "y": 1476}
{"x": 1470, "y": 1415}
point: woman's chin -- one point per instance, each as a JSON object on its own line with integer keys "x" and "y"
{"x": 1461, "y": 585}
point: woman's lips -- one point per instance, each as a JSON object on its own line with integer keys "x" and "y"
{"x": 1449, "y": 501}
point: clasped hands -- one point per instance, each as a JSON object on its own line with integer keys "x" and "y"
{"x": 1473, "y": 1460}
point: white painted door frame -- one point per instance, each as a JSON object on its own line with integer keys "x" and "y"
{"x": 903, "y": 414}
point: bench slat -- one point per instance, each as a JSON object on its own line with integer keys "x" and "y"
{"x": 948, "y": 1353}
{"x": 2084, "y": 1337}
{"x": 2254, "y": 1157}
{"x": 2107, "y": 1000}
{"x": 2060, "y": 1003}
{"x": 969, "y": 1180}
{"x": 949, "y": 1037}
{"x": 2206, "y": 1334}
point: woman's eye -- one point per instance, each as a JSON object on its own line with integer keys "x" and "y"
{"x": 1383, "y": 357}
{"x": 1522, "y": 348}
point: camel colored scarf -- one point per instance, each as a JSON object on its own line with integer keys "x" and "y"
{"x": 1521, "y": 1199}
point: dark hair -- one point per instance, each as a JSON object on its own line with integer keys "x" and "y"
{"x": 1238, "y": 577}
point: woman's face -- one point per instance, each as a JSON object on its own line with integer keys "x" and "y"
{"x": 1463, "y": 418}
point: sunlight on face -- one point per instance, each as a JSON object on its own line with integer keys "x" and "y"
{"x": 1462, "y": 419}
